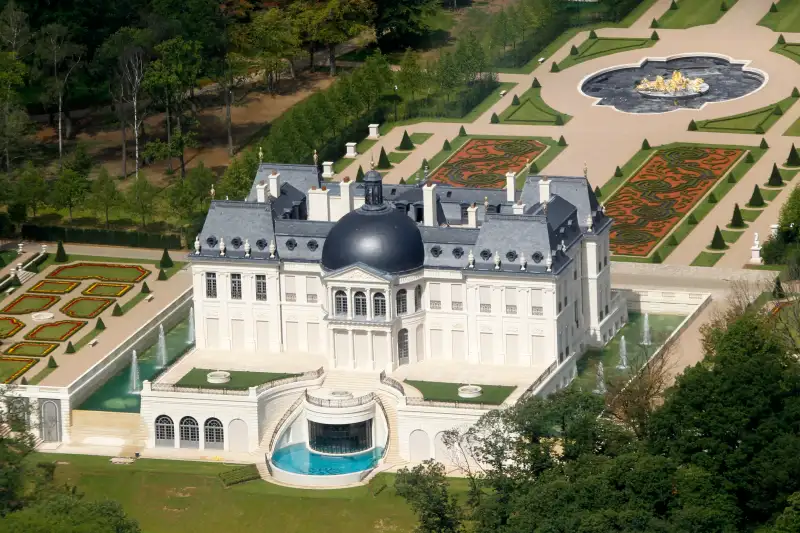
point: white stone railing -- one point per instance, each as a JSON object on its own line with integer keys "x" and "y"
{"x": 340, "y": 403}
{"x": 420, "y": 402}
{"x": 393, "y": 383}
{"x": 313, "y": 374}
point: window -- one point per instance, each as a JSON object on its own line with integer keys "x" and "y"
{"x": 190, "y": 432}
{"x": 402, "y": 303}
{"x": 457, "y": 297}
{"x": 485, "y": 299}
{"x": 379, "y": 304}
{"x": 360, "y": 304}
{"x": 340, "y": 303}
{"x": 214, "y": 434}
{"x": 575, "y": 274}
{"x": 211, "y": 285}
{"x": 418, "y": 298}
{"x": 511, "y": 301}
{"x": 537, "y": 309}
{"x": 402, "y": 346}
{"x": 312, "y": 289}
{"x": 434, "y": 295}
{"x": 236, "y": 286}
{"x": 165, "y": 431}
{"x": 289, "y": 289}
{"x": 261, "y": 287}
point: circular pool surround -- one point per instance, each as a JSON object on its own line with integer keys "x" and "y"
{"x": 218, "y": 377}
{"x": 723, "y": 79}
{"x": 469, "y": 391}
{"x": 41, "y": 317}
{"x": 299, "y": 459}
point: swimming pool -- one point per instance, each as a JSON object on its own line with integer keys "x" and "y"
{"x": 298, "y": 459}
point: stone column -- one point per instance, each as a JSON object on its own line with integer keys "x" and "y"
{"x": 327, "y": 169}
{"x": 373, "y": 132}
{"x": 352, "y": 153}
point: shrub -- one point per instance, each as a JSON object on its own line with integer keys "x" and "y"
{"x": 712, "y": 199}
{"x": 406, "y": 143}
{"x": 462, "y": 132}
{"x": 535, "y": 84}
{"x": 559, "y": 120}
{"x": 554, "y": 67}
{"x": 777, "y": 111}
{"x": 749, "y": 158}
{"x": 759, "y": 129}
{"x": 656, "y": 257}
{"x": 777, "y": 289}
{"x": 775, "y": 178}
{"x": 723, "y": 6}
{"x": 145, "y": 288}
{"x": 402, "y": 181}
{"x": 51, "y": 363}
{"x": 117, "y": 311}
{"x": 763, "y": 144}
{"x": 23, "y": 381}
{"x": 794, "y": 158}
{"x": 731, "y": 178}
{"x": 133, "y": 239}
{"x": 573, "y": 51}
{"x": 597, "y": 192}
{"x": 15, "y": 282}
{"x": 70, "y": 348}
{"x": 446, "y": 146}
{"x": 672, "y": 241}
{"x": 645, "y": 145}
{"x": 359, "y": 174}
{"x": 795, "y": 93}
{"x": 592, "y": 35}
{"x": 383, "y": 160}
{"x": 495, "y": 119}
{"x": 717, "y": 242}
{"x": 533, "y": 169}
{"x": 654, "y": 36}
{"x": 100, "y": 325}
{"x": 673, "y": 6}
{"x": 654, "y": 24}
{"x": 781, "y": 39}
{"x": 162, "y": 276}
{"x": 618, "y": 172}
{"x": 562, "y": 141}
{"x": 239, "y": 475}
{"x": 773, "y": 8}
{"x": 756, "y": 200}
{"x": 692, "y": 221}
{"x": 515, "y": 100}
{"x": 692, "y": 125}
{"x": 61, "y": 255}
{"x": 736, "y": 220}
{"x": 166, "y": 260}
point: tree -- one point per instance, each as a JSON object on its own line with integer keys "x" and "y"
{"x": 132, "y": 67}
{"x": 794, "y": 158}
{"x": 756, "y": 200}
{"x": 763, "y": 144}
{"x": 654, "y": 36}
{"x": 795, "y": 93}
{"x": 51, "y": 362}
{"x": 573, "y": 51}
{"x": 446, "y": 146}
{"x": 162, "y": 276}
{"x": 401, "y": 20}
{"x": 383, "y": 160}
{"x": 777, "y": 290}
{"x": 789, "y": 520}
{"x": 692, "y": 125}
{"x": 736, "y": 220}
{"x": 70, "y": 348}
{"x": 338, "y": 21}
{"x": 61, "y": 255}
{"x": 100, "y": 326}
{"x": 230, "y": 73}
{"x": 60, "y": 56}
{"x": 145, "y": 288}
{"x": 462, "y": 132}
{"x": 494, "y": 119}
{"x": 359, "y": 174}
{"x": 31, "y": 190}
{"x": 515, "y": 100}
{"x": 618, "y": 172}
{"x": 140, "y": 198}
{"x": 562, "y": 141}
{"x": 773, "y": 8}
{"x": 411, "y": 76}
{"x": 427, "y": 491}
{"x": 166, "y": 260}
{"x": 15, "y": 37}
{"x": 238, "y": 177}
{"x": 775, "y": 177}
{"x": 645, "y": 145}
{"x": 597, "y": 192}
{"x": 65, "y": 512}
{"x": 718, "y": 242}
{"x": 273, "y": 39}
{"x": 104, "y": 195}
{"x": 535, "y": 84}
{"x": 16, "y": 444}
{"x": 70, "y": 190}
{"x": 117, "y": 311}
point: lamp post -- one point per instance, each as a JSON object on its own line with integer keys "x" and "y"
{"x": 395, "y": 103}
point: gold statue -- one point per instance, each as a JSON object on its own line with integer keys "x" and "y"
{"x": 678, "y": 83}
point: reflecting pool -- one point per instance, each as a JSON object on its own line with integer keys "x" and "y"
{"x": 298, "y": 459}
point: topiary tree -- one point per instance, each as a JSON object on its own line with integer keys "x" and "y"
{"x": 731, "y": 178}
{"x": 723, "y": 6}
{"x": 773, "y": 8}
{"x": 359, "y": 174}
{"x": 749, "y": 158}
{"x": 495, "y": 119}
{"x": 462, "y": 132}
{"x": 692, "y": 125}
{"x": 712, "y": 199}
{"x": 535, "y": 84}
{"x": 756, "y": 200}
{"x": 645, "y": 145}
{"x": 15, "y": 282}
{"x": 656, "y": 258}
{"x": 406, "y": 143}
{"x": 736, "y": 220}
{"x": 674, "y": 5}
{"x": 23, "y": 381}
{"x": 383, "y": 160}
{"x": 795, "y": 93}
{"x": 70, "y": 348}
{"x": 573, "y": 51}
{"x": 718, "y": 242}
{"x": 763, "y": 144}
{"x": 794, "y": 158}
{"x": 51, "y": 363}
{"x": 554, "y": 67}
{"x": 592, "y": 35}
{"x": 781, "y": 39}
{"x": 145, "y": 288}
{"x": 166, "y": 260}
{"x": 162, "y": 276}
{"x": 618, "y": 172}
{"x": 100, "y": 326}
{"x": 775, "y": 178}
{"x": 533, "y": 169}
{"x": 61, "y": 255}
{"x": 559, "y": 121}
{"x": 402, "y": 181}
{"x": 446, "y": 146}
{"x": 759, "y": 129}
{"x": 654, "y": 36}
{"x": 777, "y": 289}
{"x": 597, "y": 192}
{"x": 654, "y": 24}
{"x": 515, "y": 100}
{"x": 691, "y": 219}
{"x": 562, "y": 141}
{"x": 672, "y": 241}
{"x": 117, "y": 311}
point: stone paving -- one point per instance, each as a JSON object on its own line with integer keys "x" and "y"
{"x": 604, "y": 138}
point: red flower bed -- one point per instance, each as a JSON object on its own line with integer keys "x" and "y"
{"x": 652, "y": 202}
{"x": 28, "y": 364}
{"x": 55, "y": 331}
{"x": 100, "y": 271}
{"x": 86, "y": 307}
{"x": 11, "y": 326}
{"x": 483, "y": 163}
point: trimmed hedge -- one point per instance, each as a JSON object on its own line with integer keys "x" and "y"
{"x": 239, "y": 475}
{"x": 134, "y": 239}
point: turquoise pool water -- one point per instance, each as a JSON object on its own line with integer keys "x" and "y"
{"x": 115, "y": 394}
{"x": 298, "y": 459}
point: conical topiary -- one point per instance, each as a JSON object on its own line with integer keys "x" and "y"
{"x": 723, "y": 6}
{"x": 777, "y": 111}
{"x": 718, "y": 242}
{"x": 773, "y": 8}
{"x": 759, "y": 129}
{"x": 573, "y": 51}
{"x": 15, "y": 282}
{"x": 23, "y": 381}
{"x": 145, "y": 288}
{"x": 61, "y": 255}
{"x": 533, "y": 169}
{"x": 446, "y": 146}
{"x": 494, "y": 119}
{"x": 777, "y": 289}
{"x": 51, "y": 363}
{"x": 383, "y": 160}
{"x": 597, "y": 192}
{"x": 359, "y": 174}
{"x": 515, "y": 100}
{"x": 763, "y": 144}
{"x": 406, "y": 143}
{"x": 672, "y": 241}
{"x": 592, "y": 34}
{"x": 117, "y": 311}
{"x": 795, "y": 93}
{"x": 691, "y": 219}
{"x": 618, "y": 172}
{"x": 712, "y": 199}
{"x": 162, "y": 276}
{"x": 656, "y": 258}
{"x": 731, "y": 178}
{"x": 736, "y": 220}
{"x": 775, "y": 178}
{"x": 100, "y": 326}
{"x": 781, "y": 39}
{"x": 749, "y": 158}
{"x": 554, "y": 67}
{"x": 645, "y": 145}
{"x": 562, "y": 141}
{"x": 654, "y": 24}
{"x": 462, "y": 132}
{"x": 654, "y": 36}
{"x": 402, "y": 181}
{"x": 673, "y": 5}
{"x": 794, "y": 158}
{"x": 70, "y": 348}
{"x": 692, "y": 125}
{"x": 756, "y": 200}
{"x": 536, "y": 83}
{"x": 559, "y": 121}
{"x": 166, "y": 260}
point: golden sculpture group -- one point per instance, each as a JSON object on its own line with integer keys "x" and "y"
{"x": 678, "y": 83}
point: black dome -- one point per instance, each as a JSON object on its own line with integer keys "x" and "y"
{"x": 385, "y": 239}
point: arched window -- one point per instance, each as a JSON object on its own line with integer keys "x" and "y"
{"x": 402, "y": 303}
{"x": 360, "y": 304}
{"x": 189, "y": 432}
{"x": 379, "y": 304}
{"x": 165, "y": 431}
{"x": 214, "y": 434}
{"x": 340, "y": 303}
{"x": 418, "y": 298}
{"x": 402, "y": 346}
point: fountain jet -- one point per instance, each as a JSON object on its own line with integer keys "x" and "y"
{"x": 190, "y": 332}
{"x": 646, "y": 340}
{"x": 623, "y": 354}
{"x": 600, "y": 388}
{"x": 161, "y": 354}
{"x": 135, "y": 387}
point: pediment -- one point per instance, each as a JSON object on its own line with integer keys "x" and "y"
{"x": 357, "y": 273}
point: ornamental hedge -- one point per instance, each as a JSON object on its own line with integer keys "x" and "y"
{"x": 134, "y": 239}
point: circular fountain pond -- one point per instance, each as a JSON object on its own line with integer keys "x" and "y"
{"x": 721, "y": 79}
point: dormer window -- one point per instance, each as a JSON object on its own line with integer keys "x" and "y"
{"x": 486, "y": 254}
{"x": 211, "y": 241}
{"x": 236, "y": 242}
{"x": 261, "y": 244}
{"x": 291, "y": 244}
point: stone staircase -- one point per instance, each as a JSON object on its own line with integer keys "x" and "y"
{"x": 24, "y": 275}
{"x": 99, "y": 428}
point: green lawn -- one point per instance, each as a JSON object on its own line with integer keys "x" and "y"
{"x": 693, "y": 13}
{"x": 750, "y": 215}
{"x": 396, "y": 157}
{"x": 30, "y": 303}
{"x": 54, "y": 287}
{"x": 130, "y": 304}
{"x": 757, "y": 121}
{"x": 56, "y": 331}
{"x": 9, "y": 367}
{"x": 31, "y": 349}
{"x": 107, "y": 289}
{"x": 419, "y": 138}
{"x": 83, "y": 341}
{"x": 603, "y": 46}
{"x": 532, "y": 110}
{"x": 786, "y": 19}
{"x": 794, "y": 129}
{"x": 790, "y": 50}
{"x": 240, "y": 380}
{"x": 100, "y": 271}
{"x": 731, "y": 236}
{"x": 364, "y": 146}
{"x": 707, "y": 259}
{"x": 86, "y": 307}
{"x": 188, "y": 497}
{"x": 10, "y": 326}
{"x": 176, "y": 265}
{"x": 448, "y": 392}
{"x": 38, "y": 378}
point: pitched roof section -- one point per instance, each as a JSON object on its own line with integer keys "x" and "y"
{"x": 236, "y": 222}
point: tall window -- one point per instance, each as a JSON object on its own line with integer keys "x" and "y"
{"x": 485, "y": 295}
{"x": 236, "y": 286}
{"x": 289, "y": 286}
{"x": 402, "y": 346}
{"x": 165, "y": 431}
{"x": 360, "y": 304}
{"x": 312, "y": 289}
{"x": 402, "y": 302}
{"x": 211, "y": 285}
{"x": 261, "y": 287}
{"x": 379, "y": 304}
{"x": 340, "y": 303}
{"x": 418, "y": 298}
{"x": 434, "y": 295}
{"x": 190, "y": 432}
{"x": 214, "y": 434}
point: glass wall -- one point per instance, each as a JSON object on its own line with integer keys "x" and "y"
{"x": 340, "y": 438}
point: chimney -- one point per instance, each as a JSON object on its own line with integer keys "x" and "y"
{"x": 544, "y": 190}
{"x": 275, "y": 183}
{"x": 347, "y": 194}
{"x": 429, "y": 205}
{"x": 319, "y": 207}
{"x": 519, "y": 208}
{"x": 261, "y": 192}
{"x": 511, "y": 187}
{"x": 472, "y": 216}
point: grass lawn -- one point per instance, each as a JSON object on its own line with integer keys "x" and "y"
{"x": 127, "y": 306}
{"x": 693, "y": 13}
{"x": 87, "y": 307}
{"x": 83, "y": 341}
{"x": 794, "y": 129}
{"x": 31, "y": 349}
{"x": 107, "y": 289}
{"x": 100, "y": 271}
{"x": 786, "y": 19}
{"x": 54, "y": 287}
{"x": 10, "y": 326}
{"x": 364, "y": 146}
{"x": 731, "y": 236}
{"x": 532, "y": 110}
{"x": 769, "y": 194}
{"x": 790, "y": 50}
{"x": 13, "y": 367}
{"x": 396, "y": 157}
{"x": 448, "y": 392}
{"x": 176, "y": 265}
{"x": 757, "y": 121}
{"x": 240, "y": 380}
{"x": 30, "y": 303}
{"x": 707, "y": 259}
{"x": 38, "y": 378}
{"x": 188, "y": 497}
{"x": 55, "y": 331}
{"x": 603, "y": 46}
{"x": 750, "y": 215}
{"x": 340, "y": 164}
{"x": 419, "y": 138}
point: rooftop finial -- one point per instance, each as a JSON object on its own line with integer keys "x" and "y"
{"x": 197, "y": 245}
{"x": 471, "y": 260}
{"x": 497, "y": 259}
{"x": 222, "y": 246}
{"x": 585, "y": 170}
{"x": 272, "y": 249}
{"x": 371, "y": 161}
{"x": 589, "y": 222}
{"x": 523, "y": 263}
{"x": 316, "y": 158}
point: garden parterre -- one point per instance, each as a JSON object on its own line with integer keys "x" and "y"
{"x": 101, "y": 272}
{"x": 483, "y": 163}
{"x": 55, "y": 331}
{"x": 86, "y": 307}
